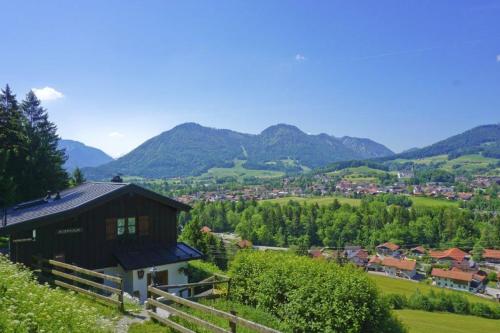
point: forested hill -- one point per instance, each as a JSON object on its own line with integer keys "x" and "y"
{"x": 80, "y": 155}
{"x": 482, "y": 139}
{"x": 191, "y": 149}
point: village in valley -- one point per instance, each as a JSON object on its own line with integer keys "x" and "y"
{"x": 329, "y": 185}
{"x": 250, "y": 167}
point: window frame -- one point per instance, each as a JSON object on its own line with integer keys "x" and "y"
{"x": 134, "y": 227}
{"x": 121, "y": 228}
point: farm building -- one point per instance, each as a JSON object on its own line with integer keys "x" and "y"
{"x": 454, "y": 257}
{"x": 418, "y": 251}
{"x": 401, "y": 268}
{"x": 491, "y": 256}
{"x": 374, "y": 264}
{"x": 388, "y": 249}
{"x": 113, "y": 228}
{"x": 457, "y": 279}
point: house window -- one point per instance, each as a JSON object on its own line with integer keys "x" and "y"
{"x": 111, "y": 229}
{"x": 144, "y": 225}
{"x": 131, "y": 225}
{"x": 120, "y": 229}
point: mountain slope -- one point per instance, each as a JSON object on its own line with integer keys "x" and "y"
{"x": 80, "y": 155}
{"x": 482, "y": 139}
{"x": 191, "y": 149}
{"x": 366, "y": 147}
{"x": 282, "y": 142}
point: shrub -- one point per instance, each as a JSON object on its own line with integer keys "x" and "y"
{"x": 396, "y": 301}
{"x": 198, "y": 270}
{"x": 444, "y": 302}
{"x": 26, "y": 306}
{"x": 310, "y": 295}
{"x": 419, "y": 301}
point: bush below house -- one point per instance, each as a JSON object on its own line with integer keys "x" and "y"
{"x": 309, "y": 295}
{"x": 27, "y": 306}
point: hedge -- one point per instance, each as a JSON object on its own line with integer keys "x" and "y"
{"x": 444, "y": 302}
{"x": 310, "y": 295}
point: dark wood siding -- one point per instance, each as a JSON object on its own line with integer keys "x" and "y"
{"x": 89, "y": 248}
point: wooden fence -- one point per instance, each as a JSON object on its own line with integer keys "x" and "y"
{"x": 169, "y": 310}
{"x": 69, "y": 272}
{"x": 212, "y": 281}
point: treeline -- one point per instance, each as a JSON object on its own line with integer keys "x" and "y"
{"x": 443, "y": 302}
{"x": 30, "y": 161}
{"x": 335, "y": 225}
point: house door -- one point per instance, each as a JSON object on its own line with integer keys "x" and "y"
{"x": 161, "y": 278}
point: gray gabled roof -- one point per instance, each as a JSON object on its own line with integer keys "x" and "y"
{"x": 131, "y": 258}
{"x": 76, "y": 199}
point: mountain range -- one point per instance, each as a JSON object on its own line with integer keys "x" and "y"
{"x": 191, "y": 149}
{"x": 484, "y": 140}
{"x": 80, "y": 155}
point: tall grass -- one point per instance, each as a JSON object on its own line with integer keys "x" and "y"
{"x": 27, "y": 306}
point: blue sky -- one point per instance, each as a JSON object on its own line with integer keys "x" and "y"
{"x": 404, "y": 73}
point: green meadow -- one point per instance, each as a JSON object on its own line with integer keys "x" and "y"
{"x": 239, "y": 171}
{"x": 437, "y": 322}
{"x": 389, "y": 285}
{"x": 417, "y": 201}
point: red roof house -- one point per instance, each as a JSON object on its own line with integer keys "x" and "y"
{"x": 402, "y": 268}
{"x": 206, "y": 230}
{"x": 491, "y": 255}
{"x": 244, "y": 244}
{"x": 388, "y": 249}
{"x": 453, "y": 254}
{"x": 457, "y": 279}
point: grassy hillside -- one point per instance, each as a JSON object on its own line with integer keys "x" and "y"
{"x": 482, "y": 139}
{"x": 238, "y": 171}
{"x": 433, "y": 202}
{"x": 244, "y": 311}
{"x": 191, "y": 150}
{"x": 417, "y": 201}
{"x": 27, "y": 306}
{"x": 473, "y": 163}
{"x": 319, "y": 200}
{"x": 389, "y": 285}
{"x": 430, "y": 322}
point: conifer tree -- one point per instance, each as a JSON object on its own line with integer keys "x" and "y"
{"x": 77, "y": 178}
{"x": 43, "y": 170}
{"x": 12, "y": 145}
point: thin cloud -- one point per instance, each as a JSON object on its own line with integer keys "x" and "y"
{"x": 498, "y": 57}
{"x": 47, "y": 94}
{"x": 116, "y": 135}
{"x": 300, "y": 57}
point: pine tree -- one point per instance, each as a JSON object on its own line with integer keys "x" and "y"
{"x": 43, "y": 169}
{"x": 12, "y": 145}
{"x": 77, "y": 178}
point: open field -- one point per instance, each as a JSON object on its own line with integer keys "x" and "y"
{"x": 362, "y": 174}
{"x": 472, "y": 163}
{"x": 239, "y": 171}
{"x": 430, "y": 322}
{"x": 389, "y": 285}
{"x": 417, "y": 201}
{"x": 433, "y": 202}
{"x": 319, "y": 200}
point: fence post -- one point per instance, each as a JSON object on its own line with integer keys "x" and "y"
{"x": 120, "y": 297}
{"x": 232, "y": 324}
{"x": 228, "y": 288}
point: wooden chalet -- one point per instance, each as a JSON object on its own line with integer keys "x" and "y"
{"x": 114, "y": 228}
